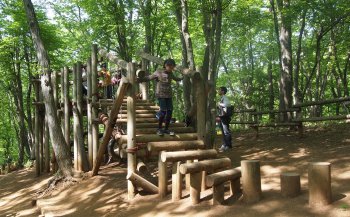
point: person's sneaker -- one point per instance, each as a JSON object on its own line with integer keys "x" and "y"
{"x": 171, "y": 133}
{"x": 224, "y": 148}
{"x": 160, "y": 132}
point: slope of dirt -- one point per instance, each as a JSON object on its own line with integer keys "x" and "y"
{"x": 277, "y": 150}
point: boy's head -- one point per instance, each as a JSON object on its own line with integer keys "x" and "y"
{"x": 103, "y": 65}
{"x": 169, "y": 64}
{"x": 222, "y": 90}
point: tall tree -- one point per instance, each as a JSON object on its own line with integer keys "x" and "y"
{"x": 181, "y": 12}
{"x": 60, "y": 147}
{"x": 285, "y": 41}
{"x": 212, "y": 16}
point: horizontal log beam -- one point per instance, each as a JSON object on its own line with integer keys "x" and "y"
{"x": 223, "y": 176}
{"x": 175, "y": 145}
{"x": 155, "y": 125}
{"x": 175, "y": 129}
{"x": 160, "y": 61}
{"x": 120, "y": 62}
{"x": 275, "y": 111}
{"x": 274, "y": 125}
{"x": 323, "y": 102}
{"x": 139, "y": 120}
{"x": 205, "y": 165}
{"x": 124, "y": 115}
{"x": 188, "y": 155}
{"x": 143, "y": 183}
{"x": 153, "y": 138}
{"x": 330, "y": 118}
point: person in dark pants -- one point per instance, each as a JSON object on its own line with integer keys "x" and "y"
{"x": 164, "y": 94}
{"x": 224, "y": 119}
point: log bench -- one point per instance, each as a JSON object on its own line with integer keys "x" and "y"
{"x": 217, "y": 180}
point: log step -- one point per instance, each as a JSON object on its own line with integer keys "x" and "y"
{"x": 175, "y": 129}
{"x": 138, "y": 107}
{"x": 140, "y": 104}
{"x": 139, "y": 120}
{"x": 205, "y": 165}
{"x": 154, "y": 138}
{"x": 188, "y": 155}
{"x": 175, "y": 145}
{"x": 124, "y": 115}
{"x": 155, "y": 125}
{"x": 223, "y": 176}
{"x": 140, "y": 111}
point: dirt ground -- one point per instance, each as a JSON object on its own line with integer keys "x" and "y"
{"x": 278, "y": 150}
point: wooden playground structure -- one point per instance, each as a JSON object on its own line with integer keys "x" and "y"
{"x": 192, "y": 162}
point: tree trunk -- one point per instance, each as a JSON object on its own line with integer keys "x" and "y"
{"x": 181, "y": 11}
{"x": 212, "y": 31}
{"x": 271, "y": 92}
{"x": 18, "y": 96}
{"x": 285, "y": 38}
{"x": 146, "y": 7}
{"x": 297, "y": 62}
{"x": 29, "y": 103}
{"x": 58, "y": 141}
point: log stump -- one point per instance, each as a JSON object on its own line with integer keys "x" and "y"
{"x": 290, "y": 184}
{"x": 251, "y": 181}
{"x": 319, "y": 176}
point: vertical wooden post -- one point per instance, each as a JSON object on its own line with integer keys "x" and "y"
{"x": 187, "y": 177}
{"x": 218, "y": 193}
{"x": 251, "y": 181}
{"x": 131, "y": 124}
{"x": 319, "y": 176}
{"x": 299, "y": 115}
{"x": 46, "y": 146}
{"x": 66, "y": 107}
{"x": 144, "y": 85}
{"x": 290, "y": 184}
{"x": 37, "y": 134}
{"x": 176, "y": 182}
{"x": 162, "y": 177}
{"x": 75, "y": 118}
{"x": 89, "y": 111}
{"x": 94, "y": 93}
{"x": 204, "y": 186}
{"x": 195, "y": 189}
{"x": 235, "y": 186}
{"x": 82, "y": 160}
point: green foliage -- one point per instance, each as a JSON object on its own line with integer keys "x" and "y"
{"x": 249, "y": 46}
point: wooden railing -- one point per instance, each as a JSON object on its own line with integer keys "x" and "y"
{"x": 255, "y": 119}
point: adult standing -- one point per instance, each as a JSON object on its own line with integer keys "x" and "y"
{"x": 225, "y": 112}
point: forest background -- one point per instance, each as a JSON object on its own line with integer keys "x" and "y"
{"x": 270, "y": 54}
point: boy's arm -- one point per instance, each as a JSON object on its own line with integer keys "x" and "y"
{"x": 176, "y": 78}
{"x": 149, "y": 77}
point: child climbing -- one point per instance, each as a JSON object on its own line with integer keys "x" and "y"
{"x": 164, "y": 94}
{"x": 106, "y": 82}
